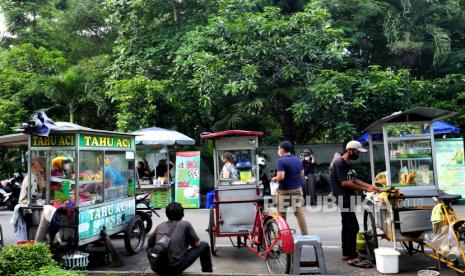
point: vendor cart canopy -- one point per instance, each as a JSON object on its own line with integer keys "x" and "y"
{"x": 161, "y": 136}
{"x": 439, "y": 127}
{"x": 208, "y": 135}
{"x": 13, "y": 140}
{"x": 20, "y": 139}
{"x": 419, "y": 114}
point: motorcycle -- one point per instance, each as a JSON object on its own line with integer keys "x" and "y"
{"x": 10, "y": 190}
{"x": 261, "y": 161}
{"x": 145, "y": 212}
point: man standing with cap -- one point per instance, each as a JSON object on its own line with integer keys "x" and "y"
{"x": 345, "y": 185}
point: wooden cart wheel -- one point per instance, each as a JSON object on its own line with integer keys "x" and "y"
{"x": 134, "y": 236}
{"x": 370, "y": 235}
{"x": 211, "y": 231}
{"x": 146, "y": 219}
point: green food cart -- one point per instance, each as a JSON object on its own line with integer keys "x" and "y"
{"x": 89, "y": 176}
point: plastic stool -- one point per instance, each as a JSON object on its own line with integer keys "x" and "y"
{"x": 299, "y": 267}
{"x": 210, "y": 199}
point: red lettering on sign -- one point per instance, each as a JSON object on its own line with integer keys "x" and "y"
{"x": 183, "y": 184}
{"x": 192, "y": 165}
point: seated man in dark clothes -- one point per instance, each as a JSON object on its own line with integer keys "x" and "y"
{"x": 143, "y": 171}
{"x": 179, "y": 254}
{"x": 162, "y": 169}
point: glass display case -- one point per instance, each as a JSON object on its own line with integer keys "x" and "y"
{"x": 409, "y": 159}
{"x": 90, "y": 172}
{"x": 410, "y": 154}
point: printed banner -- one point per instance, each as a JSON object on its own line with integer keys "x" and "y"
{"x": 110, "y": 216}
{"x": 451, "y": 166}
{"x": 54, "y": 140}
{"x": 188, "y": 179}
{"x": 102, "y": 141}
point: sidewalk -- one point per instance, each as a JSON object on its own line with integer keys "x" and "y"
{"x": 235, "y": 261}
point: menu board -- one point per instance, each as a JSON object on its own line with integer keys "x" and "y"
{"x": 188, "y": 179}
{"x": 451, "y": 165}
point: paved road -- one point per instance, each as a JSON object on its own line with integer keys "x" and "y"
{"x": 232, "y": 260}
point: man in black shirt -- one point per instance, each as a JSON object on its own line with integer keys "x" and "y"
{"x": 180, "y": 256}
{"x": 345, "y": 185}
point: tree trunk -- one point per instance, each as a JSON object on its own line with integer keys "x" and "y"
{"x": 287, "y": 125}
{"x": 176, "y": 11}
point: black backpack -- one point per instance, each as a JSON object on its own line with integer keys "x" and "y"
{"x": 158, "y": 254}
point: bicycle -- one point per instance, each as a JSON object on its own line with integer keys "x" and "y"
{"x": 271, "y": 239}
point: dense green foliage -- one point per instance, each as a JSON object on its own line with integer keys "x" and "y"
{"x": 305, "y": 70}
{"x": 30, "y": 259}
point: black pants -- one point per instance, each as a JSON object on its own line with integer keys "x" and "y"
{"x": 309, "y": 189}
{"x": 203, "y": 251}
{"x": 349, "y": 234}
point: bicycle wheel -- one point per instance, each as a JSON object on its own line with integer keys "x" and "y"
{"x": 277, "y": 261}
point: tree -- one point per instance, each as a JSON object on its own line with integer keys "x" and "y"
{"x": 247, "y": 64}
{"x": 340, "y": 104}
{"x": 137, "y": 101}
{"x": 423, "y": 36}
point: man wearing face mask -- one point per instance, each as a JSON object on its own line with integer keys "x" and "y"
{"x": 345, "y": 185}
{"x": 289, "y": 175}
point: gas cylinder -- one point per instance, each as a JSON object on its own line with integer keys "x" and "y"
{"x": 361, "y": 246}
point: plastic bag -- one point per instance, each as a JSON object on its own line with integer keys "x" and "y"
{"x": 274, "y": 187}
{"x": 444, "y": 243}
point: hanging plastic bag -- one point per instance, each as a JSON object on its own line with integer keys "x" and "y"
{"x": 444, "y": 243}
{"x": 39, "y": 125}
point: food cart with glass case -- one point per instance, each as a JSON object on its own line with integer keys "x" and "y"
{"x": 408, "y": 176}
{"x": 234, "y": 212}
{"x": 88, "y": 175}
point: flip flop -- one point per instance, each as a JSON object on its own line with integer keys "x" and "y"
{"x": 358, "y": 262}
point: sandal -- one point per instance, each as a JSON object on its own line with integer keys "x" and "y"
{"x": 359, "y": 262}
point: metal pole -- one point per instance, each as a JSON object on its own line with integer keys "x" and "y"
{"x": 372, "y": 159}
{"x": 433, "y": 154}
{"x": 387, "y": 157}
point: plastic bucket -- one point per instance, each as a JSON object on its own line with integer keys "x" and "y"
{"x": 387, "y": 260}
{"x": 428, "y": 273}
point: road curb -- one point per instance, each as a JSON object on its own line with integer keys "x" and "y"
{"x": 145, "y": 273}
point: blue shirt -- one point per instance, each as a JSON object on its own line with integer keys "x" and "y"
{"x": 292, "y": 168}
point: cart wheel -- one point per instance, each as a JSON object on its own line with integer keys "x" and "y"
{"x": 370, "y": 235}
{"x": 211, "y": 231}
{"x": 146, "y": 219}
{"x": 1, "y": 238}
{"x": 134, "y": 236}
{"x": 277, "y": 261}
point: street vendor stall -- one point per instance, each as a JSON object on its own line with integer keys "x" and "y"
{"x": 155, "y": 183}
{"x": 239, "y": 209}
{"x": 152, "y": 143}
{"x": 233, "y": 214}
{"x": 411, "y": 203}
{"x": 86, "y": 178}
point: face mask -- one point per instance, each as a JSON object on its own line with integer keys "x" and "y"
{"x": 307, "y": 158}
{"x": 354, "y": 156}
